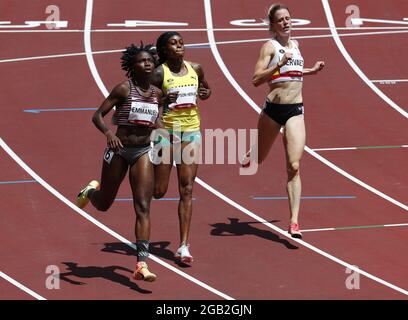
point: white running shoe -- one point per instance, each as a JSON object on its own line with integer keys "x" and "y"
{"x": 183, "y": 254}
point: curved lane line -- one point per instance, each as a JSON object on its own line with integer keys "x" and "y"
{"x": 88, "y": 217}
{"x": 254, "y": 106}
{"x": 21, "y": 286}
{"x": 351, "y": 62}
{"x": 214, "y": 49}
{"x": 95, "y": 74}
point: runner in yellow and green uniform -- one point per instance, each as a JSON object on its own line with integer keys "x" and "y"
{"x": 182, "y": 82}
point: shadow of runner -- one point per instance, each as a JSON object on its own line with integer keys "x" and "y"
{"x": 109, "y": 273}
{"x": 159, "y": 249}
{"x": 236, "y": 228}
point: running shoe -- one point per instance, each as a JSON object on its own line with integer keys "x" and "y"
{"x": 183, "y": 254}
{"x": 294, "y": 231}
{"x": 82, "y": 198}
{"x": 142, "y": 272}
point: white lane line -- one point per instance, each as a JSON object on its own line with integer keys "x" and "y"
{"x": 254, "y": 106}
{"x": 21, "y": 286}
{"x": 88, "y": 47}
{"x": 351, "y": 62}
{"x": 356, "y": 180}
{"x": 209, "y": 188}
{"x": 53, "y": 191}
{"x": 198, "y": 29}
{"x": 396, "y": 225}
{"x": 389, "y": 81}
{"x": 360, "y": 148}
{"x": 63, "y": 55}
{"x": 357, "y": 227}
{"x": 58, "y": 195}
{"x": 322, "y": 229}
{"x": 214, "y": 49}
{"x": 334, "y": 149}
{"x": 87, "y": 40}
{"x": 233, "y": 203}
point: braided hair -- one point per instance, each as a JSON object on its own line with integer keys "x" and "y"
{"x": 128, "y": 57}
{"x": 161, "y": 44}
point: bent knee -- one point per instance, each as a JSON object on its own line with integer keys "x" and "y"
{"x": 293, "y": 167}
{"x": 186, "y": 191}
{"x": 142, "y": 206}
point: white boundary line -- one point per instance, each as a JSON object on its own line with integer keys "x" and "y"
{"x": 81, "y": 212}
{"x": 254, "y": 106}
{"x": 225, "y": 198}
{"x": 21, "y": 286}
{"x": 95, "y": 74}
{"x": 357, "y": 227}
{"x": 88, "y": 47}
{"x": 63, "y": 55}
{"x": 387, "y": 81}
{"x": 356, "y": 180}
{"x": 198, "y": 29}
{"x": 361, "y": 148}
{"x": 334, "y": 149}
{"x": 22, "y": 164}
{"x": 351, "y": 62}
{"x": 117, "y": 236}
{"x": 214, "y": 49}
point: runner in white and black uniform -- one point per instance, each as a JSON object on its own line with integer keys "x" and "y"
{"x": 136, "y": 115}
{"x": 281, "y": 66}
{"x": 292, "y": 71}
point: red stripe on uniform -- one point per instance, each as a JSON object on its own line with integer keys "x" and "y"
{"x": 293, "y": 74}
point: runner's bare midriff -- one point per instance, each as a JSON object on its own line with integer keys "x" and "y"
{"x": 134, "y": 135}
{"x": 285, "y": 92}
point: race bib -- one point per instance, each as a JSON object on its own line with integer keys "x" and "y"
{"x": 143, "y": 113}
{"x": 108, "y": 155}
{"x": 187, "y": 97}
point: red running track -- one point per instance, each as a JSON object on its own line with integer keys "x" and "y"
{"x": 235, "y": 254}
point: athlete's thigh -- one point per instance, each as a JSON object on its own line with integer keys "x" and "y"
{"x": 187, "y": 169}
{"x": 113, "y": 172}
{"x": 162, "y": 170}
{"x": 294, "y": 138}
{"x": 268, "y": 130}
{"x": 141, "y": 178}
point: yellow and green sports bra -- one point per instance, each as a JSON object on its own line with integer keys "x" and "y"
{"x": 183, "y": 115}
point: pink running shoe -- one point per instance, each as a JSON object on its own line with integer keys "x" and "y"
{"x": 294, "y": 231}
{"x": 142, "y": 272}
